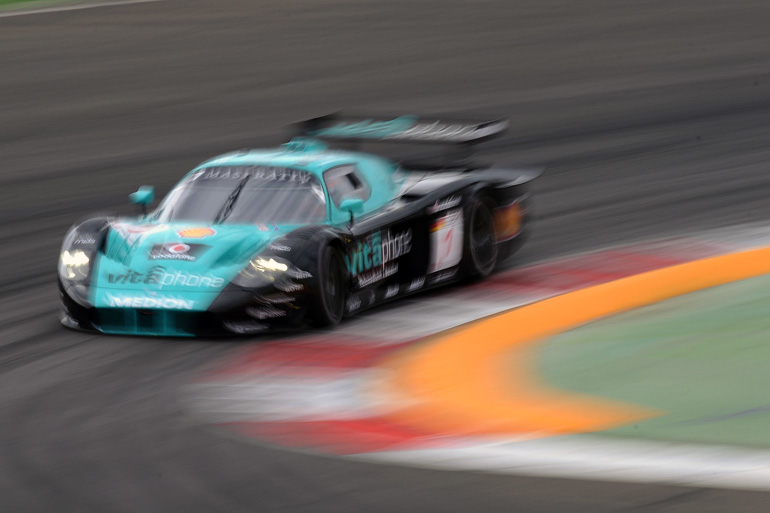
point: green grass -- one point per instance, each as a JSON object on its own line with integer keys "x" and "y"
{"x": 9, "y": 2}
{"x": 703, "y": 358}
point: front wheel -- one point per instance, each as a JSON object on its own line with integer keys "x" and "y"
{"x": 480, "y": 246}
{"x": 329, "y": 304}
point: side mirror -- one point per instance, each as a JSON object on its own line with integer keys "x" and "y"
{"x": 352, "y": 205}
{"x": 144, "y": 196}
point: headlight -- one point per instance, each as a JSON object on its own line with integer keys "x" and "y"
{"x": 261, "y": 271}
{"x": 74, "y": 265}
{"x": 264, "y": 265}
{"x": 271, "y": 270}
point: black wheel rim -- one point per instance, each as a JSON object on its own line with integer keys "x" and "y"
{"x": 482, "y": 239}
{"x": 333, "y": 287}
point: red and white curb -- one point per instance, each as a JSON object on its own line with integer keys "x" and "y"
{"x": 319, "y": 391}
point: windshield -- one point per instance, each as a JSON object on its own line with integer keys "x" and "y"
{"x": 246, "y": 195}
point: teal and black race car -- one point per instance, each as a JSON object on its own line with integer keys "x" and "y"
{"x": 296, "y": 236}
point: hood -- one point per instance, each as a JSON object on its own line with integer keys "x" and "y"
{"x": 178, "y": 257}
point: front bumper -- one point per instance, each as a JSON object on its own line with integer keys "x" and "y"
{"x": 234, "y": 312}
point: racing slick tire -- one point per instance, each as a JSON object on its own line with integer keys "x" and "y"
{"x": 329, "y": 305}
{"x": 480, "y": 246}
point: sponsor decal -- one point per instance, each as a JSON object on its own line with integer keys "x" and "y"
{"x": 150, "y": 302}
{"x": 439, "y": 131}
{"x": 158, "y": 276}
{"x": 279, "y": 247}
{"x": 265, "y": 228}
{"x": 407, "y": 127}
{"x": 275, "y": 299}
{"x": 446, "y": 241}
{"x": 445, "y": 203}
{"x": 508, "y": 221}
{"x": 288, "y": 286}
{"x": 445, "y": 275}
{"x": 177, "y": 251}
{"x": 298, "y": 274}
{"x": 354, "y": 303}
{"x": 244, "y": 327}
{"x": 196, "y": 233}
{"x": 369, "y": 257}
{"x": 416, "y": 284}
{"x": 391, "y": 291}
{"x": 152, "y": 277}
{"x": 375, "y": 275}
{"x": 84, "y": 240}
{"x": 267, "y": 312}
{"x": 265, "y": 173}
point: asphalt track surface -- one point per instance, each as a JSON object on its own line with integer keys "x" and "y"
{"x": 652, "y": 117}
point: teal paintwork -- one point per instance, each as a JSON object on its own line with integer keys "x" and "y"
{"x": 314, "y": 156}
{"x": 368, "y": 128}
{"x": 128, "y": 276}
{"x": 128, "y": 269}
{"x": 352, "y": 205}
{"x": 144, "y": 196}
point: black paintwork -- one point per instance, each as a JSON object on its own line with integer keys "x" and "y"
{"x": 387, "y": 255}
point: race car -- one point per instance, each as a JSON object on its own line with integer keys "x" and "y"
{"x": 298, "y": 236}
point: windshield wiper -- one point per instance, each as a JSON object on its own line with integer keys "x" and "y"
{"x": 227, "y": 208}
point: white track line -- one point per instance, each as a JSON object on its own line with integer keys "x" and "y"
{"x": 77, "y": 7}
{"x": 599, "y": 458}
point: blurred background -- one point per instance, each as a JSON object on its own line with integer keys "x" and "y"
{"x": 651, "y": 118}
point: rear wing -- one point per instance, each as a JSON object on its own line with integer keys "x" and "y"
{"x": 401, "y": 129}
{"x": 457, "y": 136}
